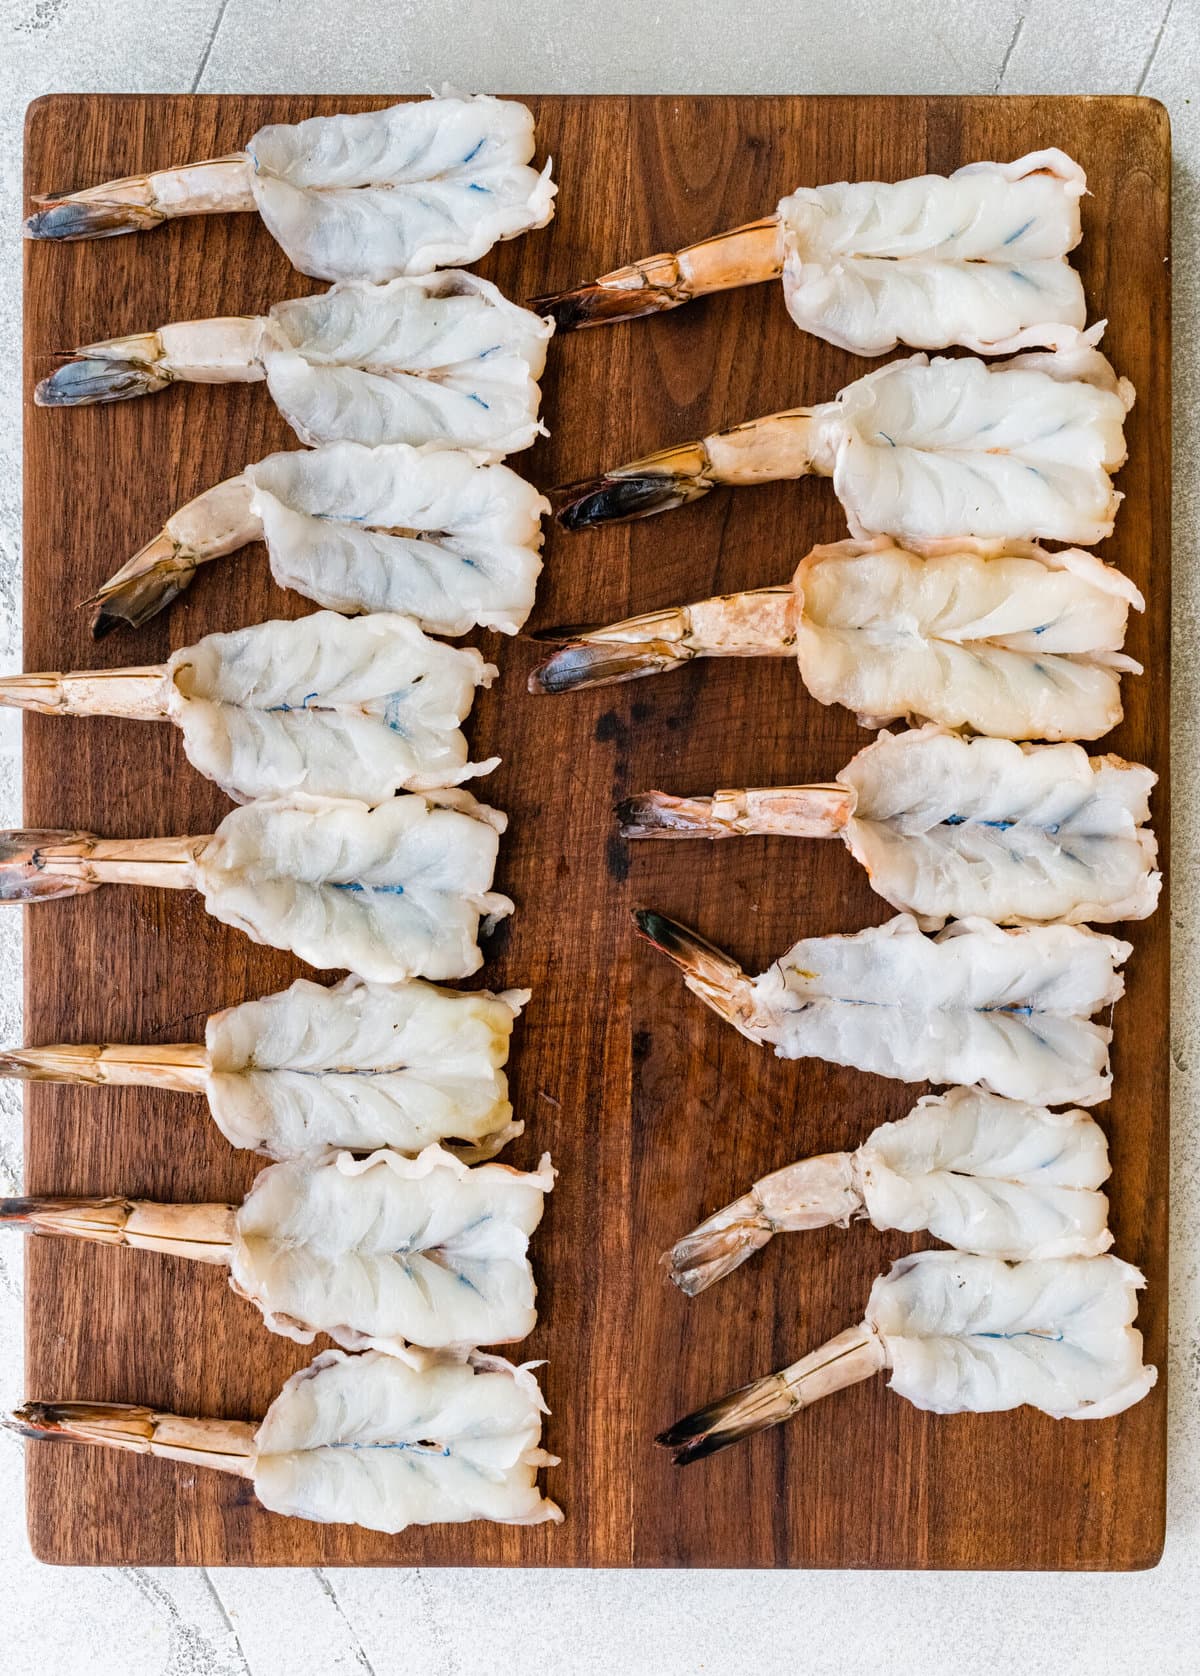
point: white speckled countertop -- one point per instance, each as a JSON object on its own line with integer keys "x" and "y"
{"x": 58, "y": 1622}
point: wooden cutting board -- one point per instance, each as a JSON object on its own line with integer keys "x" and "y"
{"x": 864, "y": 1479}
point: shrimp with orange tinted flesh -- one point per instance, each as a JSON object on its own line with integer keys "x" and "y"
{"x": 948, "y": 827}
{"x": 979, "y": 258}
{"x": 429, "y": 532}
{"x": 364, "y": 1440}
{"x": 379, "y": 1253}
{"x": 391, "y": 893}
{"x": 356, "y": 1066}
{"x": 999, "y": 1177}
{"x": 961, "y": 1333}
{"x": 441, "y": 359}
{"x": 328, "y": 705}
{"x": 1010, "y": 639}
{"x": 920, "y": 450}
{"x": 433, "y": 183}
{"x": 1010, "y": 1011}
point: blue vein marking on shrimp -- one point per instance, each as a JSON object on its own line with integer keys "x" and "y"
{"x": 494, "y": 349}
{"x": 415, "y": 1448}
{"x": 475, "y": 149}
{"x": 473, "y": 396}
{"x": 475, "y": 187}
{"x": 359, "y": 889}
{"x": 305, "y": 703}
{"x": 394, "y": 715}
{"x": 999, "y": 826}
{"x": 1024, "y": 228}
{"x": 1027, "y": 1332}
{"x": 886, "y": 438}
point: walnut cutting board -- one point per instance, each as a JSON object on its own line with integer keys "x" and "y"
{"x": 863, "y": 1479}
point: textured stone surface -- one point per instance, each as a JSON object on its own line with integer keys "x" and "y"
{"x": 63, "y": 1622}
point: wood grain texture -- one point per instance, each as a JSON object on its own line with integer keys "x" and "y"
{"x": 864, "y": 1480}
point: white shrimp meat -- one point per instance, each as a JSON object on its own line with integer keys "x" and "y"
{"x": 430, "y": 533}
{"x": 1011, "y": 450}
{"x": 1009, "y": 1010}
{"x": 949, "y": 827}
{"x": 1008, "y": 640}
{"x": 368, "y": 1440}
{"x": 430, "y": 184}
{"x": 984, "y": 1174}
{"x": 328, "y": 705}
{"x": 978, "y": 258}
{"x": 390, "y": 893}
{"x": 364, "y": 1065}
{"x": 444, "y": 359}
{"x": 385, "y": 1252}
{"x": 973, "y": 1333}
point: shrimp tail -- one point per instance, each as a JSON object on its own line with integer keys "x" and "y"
{"x": 777, "y": 446}
{"x": 810, "y": 1194}
{"x": 852, "y": 1356}
{"x": 140, "y": 202}
{"x": 619, "y": 497}
{"x": 602, "y": 663}
{"x": 792, "y": 811}
{"x": 752, "y": 1408}
{"x": 227, "y": 1445}
{"x": 719, "y": 1245}
{"x": 90, "y": 379}
{"x": 746, "y": 625}
{"x": 31, "y": 865}
{"x": 741, "y": 256}
{"x": 707, "y": 971}
{"x": 202, "y": 1232}
{"x": 217, "y": 522}
{"x": 152, "y": 579}
{"x": 68, "y": 219}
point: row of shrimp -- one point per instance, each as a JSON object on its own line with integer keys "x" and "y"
{"x": 965, "y": 604}
{"x": 383, "y": 1222}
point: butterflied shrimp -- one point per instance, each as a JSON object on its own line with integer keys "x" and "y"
{"x": 948, "y": 827}
{"x": 443, "y": 359}
{"x": 429, "y": 184}
{"x": 1011, "y": 1011}
{"x": 332, "y": 706}
{"x": 978, "y": 258}
{"x": 378, "y": 1253}
{"x": 1007, "y": 639}
{"x": 357, "y": 1066}
{"x": 391, "y": 893}
{"x": 355, "y": 1440}
{"x": 921, "y": 450}
{"x": 1000, "y": 1177}
{"x": 961, "y": 1334}
{"x": 427, "y": 532}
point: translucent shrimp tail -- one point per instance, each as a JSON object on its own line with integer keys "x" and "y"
{"x": 788, "y": 811}
{"x": 215, "y": 523}
{"x": 201, "y": 1232}
{"x": 707, "y": 971}
{"x": 851, "y": 1356}
{"x": 140, "y": 694}
{"x": 743, "y": 256}
{"x": 811, "y": 1194}
{"x": 182, "y": 1067}
{"x": 221, "y": 351}
{"x": 91, "y": 378}
{"x": 747, "y": 625}
{"x": 226, "y": 1445}
{"x": 39, "y": 865}
{"x": 780, "y": 445}
{"x": 139, "y": 202}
